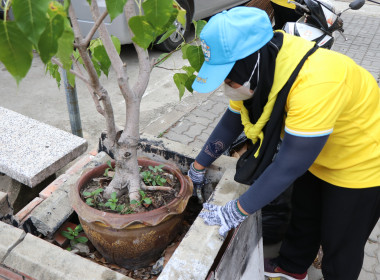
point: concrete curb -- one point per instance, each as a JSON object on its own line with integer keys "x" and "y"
{"x": 39, "y": 259}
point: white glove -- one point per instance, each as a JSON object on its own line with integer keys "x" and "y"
{"x": 227, "y": 217}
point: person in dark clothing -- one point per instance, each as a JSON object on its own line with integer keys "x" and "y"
{"x": 330, "y": 148}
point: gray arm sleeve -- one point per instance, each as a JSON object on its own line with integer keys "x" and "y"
{"x": 295, "y": 157}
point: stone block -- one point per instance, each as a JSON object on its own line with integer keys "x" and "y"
{"x": 31, "y": 151}
{"x": 40, "y": 259}
{"x": 9, "y": 237}
{"x": 56, "y": 209}
{"x": 199, "y": 248}
{"x": 19, "y": 195}
{"x": 8, "y": 274}
{"x": 5, "y": 208}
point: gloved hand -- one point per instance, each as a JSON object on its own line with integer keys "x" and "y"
{"x": 198, "y": 178}
{"x": 227, "y": 216}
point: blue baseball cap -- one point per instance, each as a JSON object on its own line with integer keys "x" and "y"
{"x": 227, "y": 37}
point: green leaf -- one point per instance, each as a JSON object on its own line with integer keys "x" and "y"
{"x": 143, "y": 31}
{"x": 113, "y": 206}
{"x": 81, "y": 239}
{"x": 199, "y": 26}
{"x": 134, "y": 201}
{"x": 31, "y": 18}
{"x": 66, "y": 5}
{"x": 67, "y": 235}
{"x": 115, "y": 7}
{"x": 162, "y": 29}
{"x": 147, "y": 200}
{"x": 78, "y": 228}
{"x": 189, "y": 82}
{"x": 65, "y": 47}
{"x": 87, "y": 194}
{"x": 189, "y": 70}
{"x": 158, "y": 12}
{"x": 89, "y": 201}
{"x": 180, "y": 81}
{"x": 142, "y": 193}
{"x": 15, "y": 52}
{"x": 181, "y": 16}
{"x": 48, "y": 44}
{"x": 167, "y": 34}
{"x": 54, "y": 72}
{"x": 162, "y": 58}
{"x": 195, "y": 56}
{"x": 109, "y": 164}
{"x": 113, "y": 195}
{"x": 97, "y": 191}
{"x": 116, "y": 43}
{"x": 184, "y": 50}
{"x": 119, "y": 208}
{"x": 99, "y": 73}
{"x": 100, "y": 55}
{"x": 70, "y": 78}
{"x": 74, "y": 242}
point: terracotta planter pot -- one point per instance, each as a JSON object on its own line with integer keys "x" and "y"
{"x": 132, "y": 240}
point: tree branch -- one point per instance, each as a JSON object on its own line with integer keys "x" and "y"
{"x": 95, "y": 84}
{"x": 95, "y": 27}
{"x": 94, "y": 97}
{"x": 156, "y": 188}
{"x": 116, "y": 62}
{"x": 72, "y": 71}
{"x": 145, "y": 66}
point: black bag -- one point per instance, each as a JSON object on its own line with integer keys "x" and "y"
{"x": 248, "y": 167}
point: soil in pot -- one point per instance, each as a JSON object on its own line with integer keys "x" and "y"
{"x": 92, "y": 192}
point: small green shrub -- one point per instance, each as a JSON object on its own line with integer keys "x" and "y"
{"x": 92, "y": 198}
{"x": 151, "y": 176}
{"x": 72, "y": 235}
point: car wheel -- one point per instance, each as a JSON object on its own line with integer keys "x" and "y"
{"x": 177, "y": 37}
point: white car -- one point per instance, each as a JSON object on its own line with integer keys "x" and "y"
{"x": 195, "y": 10}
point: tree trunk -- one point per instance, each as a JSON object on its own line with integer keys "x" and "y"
{"x": 127, "y": 175}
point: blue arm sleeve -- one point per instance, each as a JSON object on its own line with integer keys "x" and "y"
{"x": 223, "y": 135}
{"x": 295, "y": 157}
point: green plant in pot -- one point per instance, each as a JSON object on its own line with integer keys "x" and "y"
{"x": 51, "y": 29}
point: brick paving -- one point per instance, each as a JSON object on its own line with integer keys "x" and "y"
{"x": 363, "y": 46}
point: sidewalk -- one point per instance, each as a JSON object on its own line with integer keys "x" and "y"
{"x": 362, "y": 29}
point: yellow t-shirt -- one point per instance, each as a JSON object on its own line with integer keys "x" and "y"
{"x": 333, "y": 95}
{"x": 284, "y": 3}
{"x": 342, "y": 99}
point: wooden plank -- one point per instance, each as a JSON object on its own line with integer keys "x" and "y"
{"x": 243, "y": 258}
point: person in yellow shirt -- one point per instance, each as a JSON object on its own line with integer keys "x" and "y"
{"x": 324, "y": 111}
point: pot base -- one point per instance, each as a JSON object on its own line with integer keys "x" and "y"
{"x": 136, "y": 246}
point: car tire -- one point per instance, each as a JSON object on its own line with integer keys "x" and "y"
{"x": 175, "y": 39}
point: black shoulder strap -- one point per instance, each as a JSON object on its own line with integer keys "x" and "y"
{"x": 286, "y": 88}
{"x": 248, "y": 168}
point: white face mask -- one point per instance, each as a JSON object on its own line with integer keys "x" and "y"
{"x": 244, "y": 92}
{"x": 240, "y": 93}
